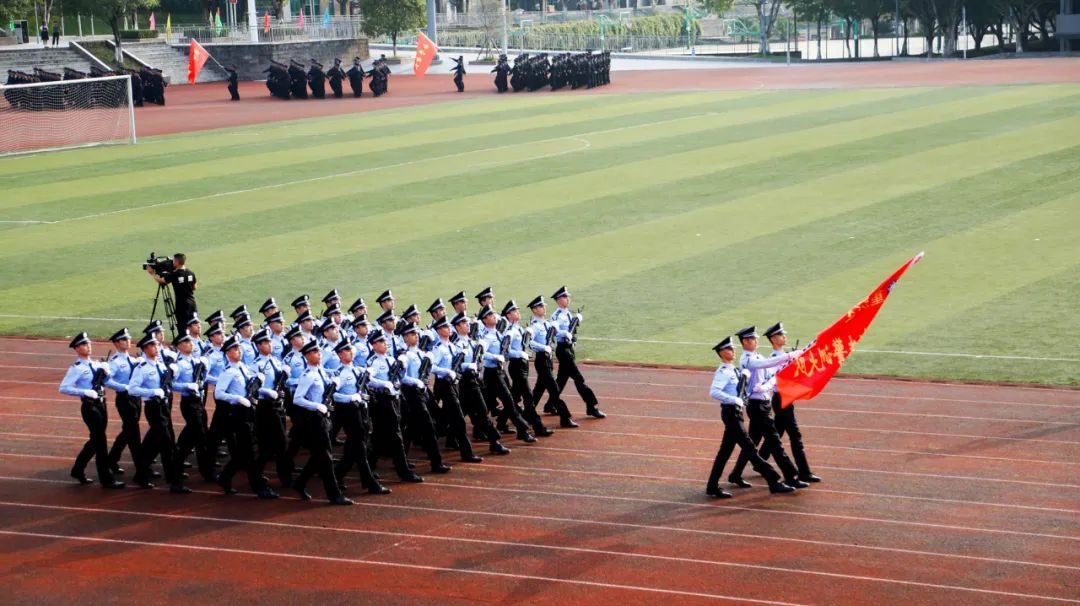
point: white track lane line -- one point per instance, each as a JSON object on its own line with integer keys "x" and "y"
{"x": 540, "y": 546}
{"x": 465, "y": 571}
{"x": 629, "y": 525}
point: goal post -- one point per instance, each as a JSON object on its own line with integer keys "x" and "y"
{"x": 65, "y": 114}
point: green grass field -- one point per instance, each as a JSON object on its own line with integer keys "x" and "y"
{"x": 674, "y": 218}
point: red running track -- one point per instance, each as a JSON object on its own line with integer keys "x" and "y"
{"x": 933, "y": 494}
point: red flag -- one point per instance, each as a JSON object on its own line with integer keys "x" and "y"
{"x": 197, "y": 56}
{"x": 266, "y": 23}
{"x": 808, "y": 374}
{"x": 425, "y": 52}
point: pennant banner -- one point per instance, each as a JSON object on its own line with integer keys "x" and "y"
{"x": 217, "y": 23}
{"x": 425, "y": 52}
{"x": 153, "y": 21}
{"x": 808, "y": 374}
{"x": 197, "y": 57}
{"x": 266, "y": 23}
{"x": 168, "y": 26}
{"x": 301, "y": 18}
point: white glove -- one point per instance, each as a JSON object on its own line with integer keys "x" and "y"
{"x": 159, "y": 393}
{"x": 90, "y": 393}
{"x": 402, "y": 359}
{"x": 739, "y": 402}
{"x": 451, "y": 375}
{"x": 745, "y": 372}
{"x": 547, "y": 349}
{"x": 579, "y": 318}
{"x": 191, "y": 386}
{"x": 173, "y": 368}
{"x": 500, "y": 359}
{"x": 320, "y": 408}
{"x": 393, "y": 392}
{"x": 793, "y": 354}
{"x": 244, "y": 402}
{"x": 272, "y": 394}
{"x": 356, "y": 398}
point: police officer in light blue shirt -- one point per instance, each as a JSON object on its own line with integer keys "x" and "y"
{"x": 330, "y": 338}
{"x": 497, "y": 387}
{"x": 725, "y": 389}
{"x": 785, "y": 421}
{"x": 517, "y": 367}
{"x": 121, "y": 365}
{"x": 151, "y": 381}
{"x": 79, "y": 382}
{"x": 201, "y": 348}
{"x": 244, "y": 329}
{"x": 385, "y": 409}
{"x": 415, "y": 409}
{"x": 193, "y": 438}
{"x": 313, "y": 426}
{"x": 563, "y": 318}
{"x": 270, "y": 409}
{"x": 278, "y": 343}
{"x": 350, "y": 408}
{"x": 446, "y": 390}
{"x": 545, "y": 376}
{"x": 232, "y": 391}
{"x": 469, "y": 386}
{"x": 156, "y": 330}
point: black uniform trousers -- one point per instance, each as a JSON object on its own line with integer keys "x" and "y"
{"x": 518, "y": 369}
{"x": 452, "y": 415}
{"x": 735, "y": 433}
{"x": 497, "y": 388}
{"x": 472, "y": 401}
{"x": 313, "y": 430}
{"x": 218, "y": 428}
{"x": 568, "y": 369}
{"x": 762, "y": 428}
{"x": 386, "y": 432}
{"x": 160, "y": 438}
{"x": 270, "y": 436}
{"x": 785, "y": 422}
{"x": 240, "y": 438}
{"x": 421, "y": 426}
{"x": 193, "y": 435}
{"x": 545, "y": 382}
{"x": 130, "y": 410}
{"x": 351, "y": 418}
{"x": 96, "y": 418}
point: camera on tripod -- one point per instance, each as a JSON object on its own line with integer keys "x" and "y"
{"x": 160, "y": 265}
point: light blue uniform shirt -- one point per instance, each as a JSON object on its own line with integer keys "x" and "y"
{"x": 519, "y": 339}
{"x": 294, "y": 360}
{"x": 216, "y": 361}
{"x": 278, "y": 345}
{"x": 146, "y": 378}
{"x": 539, "y": 327}
{"x": 310, "y": 389}
{"x": 79, "y": 378}
{"x": 492, "y": 341}
{"x": 232, "y": 384}
{"x": 759, "y": 385}
{"x": 347, "y": 379}
{"x": 121, "y": 365}
{"x": 561, "y": 318}
{"x": 411, "y": 376}
{"x": 250, "y": 353}
{"x": 330, "y": 359}
{"x": 270, "y": 367}
{"x": 363, "y": 352}
{"x": 442, "y": 357}
{"x": 379, "y": 374}
{"x": 725, "y": 385}
{"x": 465, "y": 345}
{"x": 183, "y": 380}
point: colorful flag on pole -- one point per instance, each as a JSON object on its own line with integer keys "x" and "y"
{"x": 425, "y": 52}
{"x": 217, "y": 22}
{"x": 326, "y": 17}
{"x": 301, "y": 17}
{"x": 168, "y": 26}
{"x": 153, "y": 21}
{"x": 266, "y": 23}
{"x": 808, "y": 374}
{"x": 197, "y": 57}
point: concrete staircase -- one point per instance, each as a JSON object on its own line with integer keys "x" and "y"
{"x": 49, "y": 59}
{"x": 173, "y": 62}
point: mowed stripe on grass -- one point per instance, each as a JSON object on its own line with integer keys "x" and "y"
{"x": 600, "y": 196}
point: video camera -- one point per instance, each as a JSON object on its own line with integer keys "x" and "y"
{"x": 160, "y": 265}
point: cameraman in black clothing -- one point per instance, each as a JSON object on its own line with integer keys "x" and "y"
{"x": 183, "y": 283}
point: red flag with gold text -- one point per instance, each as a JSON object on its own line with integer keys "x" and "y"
{"x": 197, "y": 57}
{"x": 808, "y": 374}
{"x": 425, "y": 52}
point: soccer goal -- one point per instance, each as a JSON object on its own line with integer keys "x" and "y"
{"x": 64, "y": 114}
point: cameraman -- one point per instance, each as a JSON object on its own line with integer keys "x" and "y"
{"x": 184, "y": 285}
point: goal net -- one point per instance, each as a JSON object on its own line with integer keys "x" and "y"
{"x": 63, "y": 114}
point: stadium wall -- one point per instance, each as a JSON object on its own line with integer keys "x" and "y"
{"x": 252, "y": 59}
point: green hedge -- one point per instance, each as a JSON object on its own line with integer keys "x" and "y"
{"x": 658, "y": 25}
{"x": 138, "y": 34}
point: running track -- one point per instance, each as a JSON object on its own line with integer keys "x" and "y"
{"x": 933, "y": 494}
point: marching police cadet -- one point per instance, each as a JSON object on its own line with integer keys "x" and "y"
{"x": 501, "y": 70}
{"x": 239, "y": 312}
{"x": 472, "y": 397}
{"x": 446, "y": 390}
{"x": 234, "y": 83}
{"x": 725, "y": 389}
{"x": 298, "y": 80}
{"x": 152, "y": 381}
{"x": 545, "y": 377}
{"x": 564, "y": 351}
{"x": 85, "y": 380}
{"x": 350, "y": 409}
{"x": 459, "y": 302}
{"x": 517, "y": 355}
{"x": 385, "y": 413}
{"x": 270, "y": 410}
{"x": 121, "y": 365}
{"x": 313, "y": 426}
{"x": 216, "y": 365}
{"x": 194, "y": 329}
{"x": 486, "y": 296}
{"x": 415, "y": 400}
{"x": 330, "y": 338}
{"x": 362, "y": 352}
{"x": 335, "y": 75}
{"x": 332, "y": 298}
{"x": 306, "y": 323}
{"x": 244, "y": 328}
{"x": 317, "y": 80}
{"x": 268, "y": 308}
{"x": 785, "y": 417}
{"x": 496, "y": 387}
{"x": 386, "y": 300}
{"x": 758, "y": 408}
{"x": 300, "y": 305}
{"x": 459, "y": 73}
{"x": 388, "y": 323}
{"x": 278, "y": 343}
{"x": 411, "y": 315}
{"x": 218, "y": 317}
{"x": 156, "y": 330}
{"x": 233, "y": 390}
{"x": 356, "y": 77}
{"x": 358, "y": 309}
{"x": 297, "y": 366}
{"x": 428, "y": 336}
{"x": 190, "y": 388}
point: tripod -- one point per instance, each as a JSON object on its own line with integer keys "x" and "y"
{"x": 165, "y": 297}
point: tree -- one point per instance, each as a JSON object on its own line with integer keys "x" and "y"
{"x": 13, "y": 9}
{"x": 114, "y": 12}
{"x": 766, "y": 12}
{"x": 814, "y": 11}
{"x": 391, "y": 17}
{"x": 982, "y": 16}
{"x": 717, "y": 7}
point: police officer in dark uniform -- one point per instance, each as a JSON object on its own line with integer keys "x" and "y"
{"x": 335, "y": 75}
{"x": 459, "y": 73}
{"x": 85, "y": 380}
{"x": 356, "y": 77}
{"x": 517, "y": 366}
{"x": 496, "y": 387}
{"x": 188, "y": 383}
{"x": 501, "y": 71}
{"x": 234, "y": 83}
{"x": 317, "y": 80}
{"x": 297, "y": 80}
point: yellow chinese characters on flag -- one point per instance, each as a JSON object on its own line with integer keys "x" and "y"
{"x": 425, "y": 52}
{"x": 808, "y": 374}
